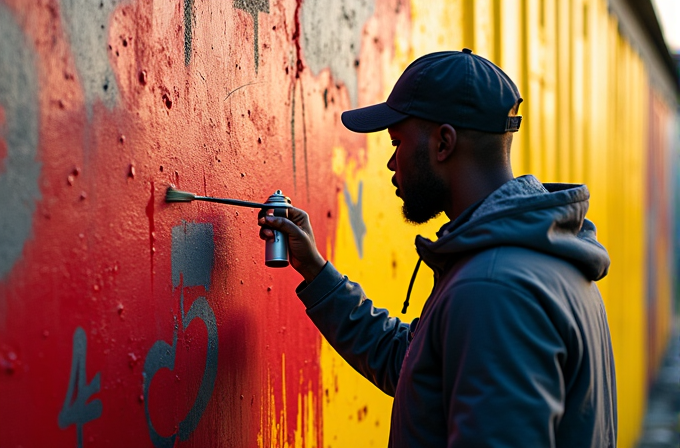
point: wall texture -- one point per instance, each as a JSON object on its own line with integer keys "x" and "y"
{"x": 126, "y": 321}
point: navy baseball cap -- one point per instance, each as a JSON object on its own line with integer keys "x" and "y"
{"x": 453, "y": 87}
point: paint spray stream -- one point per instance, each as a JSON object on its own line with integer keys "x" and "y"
{"x": 276, "y": 249}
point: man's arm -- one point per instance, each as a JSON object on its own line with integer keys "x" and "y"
{"x": 502, "y": 368}
{"x": 366, "y": 337}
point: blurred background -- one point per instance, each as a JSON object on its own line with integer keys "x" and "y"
{"x": 126, "y": 321}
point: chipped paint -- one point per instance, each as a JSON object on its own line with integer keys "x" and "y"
{"x": 332, "y": 38}
{"x": 87, "y": 25}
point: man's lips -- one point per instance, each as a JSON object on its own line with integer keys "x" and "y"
{"x": 394, "y": 182}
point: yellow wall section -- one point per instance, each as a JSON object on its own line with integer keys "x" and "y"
{"x": 274, "y": 432}
{"x": 356, "y": 413}
{"x": 585, "y": 109}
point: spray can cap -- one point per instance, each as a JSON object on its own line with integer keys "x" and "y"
{"x": 278, "y": 198}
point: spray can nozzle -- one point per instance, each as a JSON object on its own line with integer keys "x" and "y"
{"x": 276, "y": 249}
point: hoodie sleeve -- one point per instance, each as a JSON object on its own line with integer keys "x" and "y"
{"x": 502, "y": 376}
{"x": 366, "y": 337}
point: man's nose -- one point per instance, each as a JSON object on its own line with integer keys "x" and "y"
{"x": 392, "y": 163}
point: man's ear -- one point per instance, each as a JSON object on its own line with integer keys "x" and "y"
{"x": 447, "y": 142}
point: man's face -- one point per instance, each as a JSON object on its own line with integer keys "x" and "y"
{"x": 422, "y": 191}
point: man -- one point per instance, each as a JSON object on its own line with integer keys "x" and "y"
{"x": 512, "y": 348}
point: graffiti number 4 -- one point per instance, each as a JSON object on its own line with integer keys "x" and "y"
{"x": 76, "y": 409}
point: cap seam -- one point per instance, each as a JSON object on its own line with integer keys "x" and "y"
{"x": 416, "y": 88}
{"x": 504, "y": 79}
{"x": 468, "y": 86}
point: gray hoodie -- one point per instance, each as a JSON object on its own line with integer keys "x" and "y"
{"x": 512, "y": 348}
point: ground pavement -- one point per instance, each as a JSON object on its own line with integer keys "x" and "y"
{"x": 662, "y": 422}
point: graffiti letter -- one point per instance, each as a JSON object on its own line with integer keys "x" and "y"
{"x": 192, "y": 255}
{"x": 77, "y": 410}
{"x": 356, "y": 218}
{"x": 254, "y": 7}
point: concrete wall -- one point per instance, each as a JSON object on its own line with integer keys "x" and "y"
{"x": 126, "y": 321}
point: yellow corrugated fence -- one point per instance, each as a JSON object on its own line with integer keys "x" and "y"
{"x": 586, "y": 109}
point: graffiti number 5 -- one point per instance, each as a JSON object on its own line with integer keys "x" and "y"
{"x": 162, "y": 355}
{"x": 76, "y": 410}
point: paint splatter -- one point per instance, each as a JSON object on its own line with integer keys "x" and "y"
{"x": 356, "y": 217}
{"x": 332, "y": 37}
{"x": 19, "y": 180}
{"x": 254, "y": 7}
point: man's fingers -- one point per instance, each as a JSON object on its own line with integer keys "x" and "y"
{"x": 284, "y": 225}
{"x": 297, "y": 215}
{"x": 266, "y": 233}
{"x": 296, "y": 225}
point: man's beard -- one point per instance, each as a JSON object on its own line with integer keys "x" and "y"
{"x": 425, "y": 193}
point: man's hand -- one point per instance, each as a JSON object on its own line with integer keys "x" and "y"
{"x": 304, "y": 256}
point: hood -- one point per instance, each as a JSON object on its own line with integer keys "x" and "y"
{"x": 548, "y": 218}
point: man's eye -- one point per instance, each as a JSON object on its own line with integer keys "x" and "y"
{"x": 395, "y": 142}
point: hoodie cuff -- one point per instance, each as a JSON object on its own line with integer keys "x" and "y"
{"x": 323, "y": 284}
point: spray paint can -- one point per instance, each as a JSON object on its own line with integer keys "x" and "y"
{"x": 276, "y": 249}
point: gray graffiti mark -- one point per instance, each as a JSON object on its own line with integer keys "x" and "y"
{"x": 76, "y": 410}
{"x": 356, "y": 217}
{"x": 188, "y": 29}
{"x": 87, "y": 27}
{"x": 193, "y": 251}
{"x": 193, "y": 248}
{"x": 254, "y": 7}
{"x": 162, "y": 356}
{"x": 332, "y": 37}
{"x": 19, "y": 179}
{"x": 201, "y": 309}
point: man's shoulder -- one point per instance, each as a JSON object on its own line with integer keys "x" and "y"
{"x": 512, "y": 277}
{"x": 514, "y": 266}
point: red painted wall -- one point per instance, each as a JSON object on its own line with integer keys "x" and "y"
{"x": 126, "y": 321}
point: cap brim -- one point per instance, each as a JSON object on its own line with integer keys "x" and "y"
{"x": 372, "y": 118}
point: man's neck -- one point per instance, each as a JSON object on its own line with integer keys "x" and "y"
{"x": 472, "y": 187}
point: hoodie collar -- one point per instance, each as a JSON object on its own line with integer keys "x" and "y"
{"x": 523, "y": 212}
{"x": 504, "y": 197}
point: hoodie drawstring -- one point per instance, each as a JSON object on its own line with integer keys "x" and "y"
{"x": 410, "y": 286}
